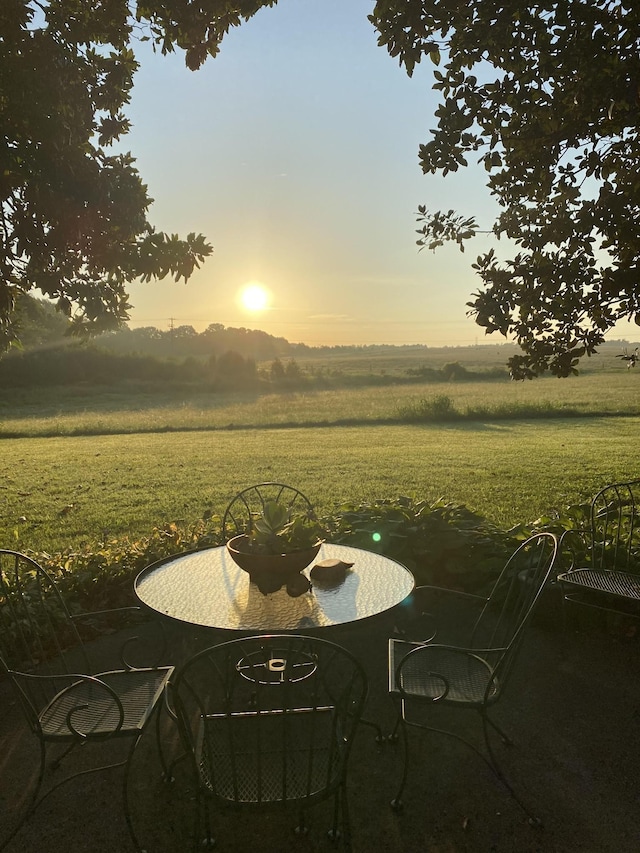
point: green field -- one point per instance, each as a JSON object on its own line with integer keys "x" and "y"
{"x": 80, "y": 463}
{"x": 136, "y": 409}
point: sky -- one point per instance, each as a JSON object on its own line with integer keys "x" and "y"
{"x": 295, "y": 152}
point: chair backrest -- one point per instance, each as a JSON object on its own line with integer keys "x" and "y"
{"x": 249, "y": 503}
{"x": 503, "y": 619}
{"x": 269, "y": 718}
{"x": 615, "y": 528}
{"x": 37, "y": 633}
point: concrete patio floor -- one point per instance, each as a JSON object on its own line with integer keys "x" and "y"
{"x": 573, "y": 710}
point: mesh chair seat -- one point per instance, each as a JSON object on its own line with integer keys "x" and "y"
{"x": 621, "y": 584}
{"x": 244, "y": 759}
{"x": 440, "y": 673}
{"x": 85, "y": 708}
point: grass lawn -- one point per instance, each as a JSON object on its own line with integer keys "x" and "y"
{"x": 70, "y": 489}
{"x": 80, "y": 410}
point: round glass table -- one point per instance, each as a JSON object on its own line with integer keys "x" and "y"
{"x": 207, "y": 589}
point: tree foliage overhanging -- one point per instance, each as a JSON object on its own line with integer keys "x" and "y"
{"x": 73, "y": 215}
{"x": 547, "y": 96}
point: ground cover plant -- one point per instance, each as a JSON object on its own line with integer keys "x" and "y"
{"x": 441, "y": 543}
{"x": 444, "y": 544}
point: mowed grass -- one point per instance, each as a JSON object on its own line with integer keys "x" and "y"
{"x": 65, "y": 491}
{"x": 103, "y": 411}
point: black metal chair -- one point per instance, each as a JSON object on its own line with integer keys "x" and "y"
{"x": 473, "y": 673}
{"x": 65, "y": 702}
{"x": 604, "y": 570}
{"x": 268, "y": 722}
{"x": 249, "y": 503}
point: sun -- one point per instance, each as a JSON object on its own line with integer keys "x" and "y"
{"x": 254, "y": 296}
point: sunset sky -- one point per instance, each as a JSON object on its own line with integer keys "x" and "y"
{"x": 295, "y": 152}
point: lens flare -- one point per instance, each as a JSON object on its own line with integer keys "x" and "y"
{"x": 376, "y": 537}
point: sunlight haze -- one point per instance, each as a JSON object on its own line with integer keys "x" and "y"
{"x": 254, "y": 297}
{"x": 295, "y": 152}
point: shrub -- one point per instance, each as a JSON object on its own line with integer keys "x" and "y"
{"x": 453, "y": 370}
{"x": 432, "y": 409}
{"x": 101, "y": 577}
{"x": 444, "y": 544}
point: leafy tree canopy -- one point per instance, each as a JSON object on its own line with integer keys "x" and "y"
{"x": 547, "y": 96}
{"x": 73, "y": 215}
{"x": 37, "y": 322}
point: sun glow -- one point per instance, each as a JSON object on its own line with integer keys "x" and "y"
{"x": 254, "y": 296}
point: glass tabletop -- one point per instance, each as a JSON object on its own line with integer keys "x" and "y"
{"x": 207, "y": 589}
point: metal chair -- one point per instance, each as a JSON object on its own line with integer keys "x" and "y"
{"x": 249, "y": 503}
{"x": 604, "y": 559}
{"x": 63, "y": 700}
{"x": 268, "y": 722}
{"x": 473, "y": 673}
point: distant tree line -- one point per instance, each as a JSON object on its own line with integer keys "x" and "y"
{"x": 75, "y": 363}
{"x": 217, "y": 359}
{"x": 184, "y": 341}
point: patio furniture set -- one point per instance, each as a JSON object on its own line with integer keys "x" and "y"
{"x": 267, "y": 708}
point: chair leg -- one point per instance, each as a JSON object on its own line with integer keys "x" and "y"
{"x": 567, "y": 620}
{"x": 346, "y": 819}
{"x": 489, "y": 759}
{"x": 33, "y": 804}
{"x": 503, "y": 737}
{"x": 380, "y": 738}
{"x": 55, "y": 764}
{"x": 169, "y": 777}
{"x": 36, "y": 803}
{"x": 493, "y": 764}
{"x": 208, "y": 841}
{"x": 396, "y": 802}
{"x": 163, "y": 763}
{"x": 334, "y": 832}
{"x": 303, "y": 827}
{"x": 166, "y": 771}
{"x": 393, "y": 736}
{"x": 201, "y": 817}
{"x": 125, "y": 794}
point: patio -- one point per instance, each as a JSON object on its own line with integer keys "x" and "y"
{"x": 572, "y": 709}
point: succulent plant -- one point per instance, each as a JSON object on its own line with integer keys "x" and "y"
{"x": 278, "y": 530}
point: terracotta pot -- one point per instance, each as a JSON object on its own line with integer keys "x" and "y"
{"x": 270, "y": 571}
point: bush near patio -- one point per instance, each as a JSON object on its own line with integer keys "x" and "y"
{"x": 443, "y": 544}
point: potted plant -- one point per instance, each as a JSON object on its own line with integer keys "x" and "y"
{"x": 279, "y": 545}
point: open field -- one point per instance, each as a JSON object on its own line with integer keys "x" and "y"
{"x": 79, "y": 462}
{"x": 80, "y": 410}
{"x": 69, "y": 490}
{"x": 483, "y": 356}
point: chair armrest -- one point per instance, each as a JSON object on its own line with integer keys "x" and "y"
{"x": 149, "y": 650}
{"x": 65, "y": 703}
{"x": 573, "y": 543}
{"x": 437, "y": 667}
{"x": 423, "y": 623}
{"x": 108, "y": 615}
